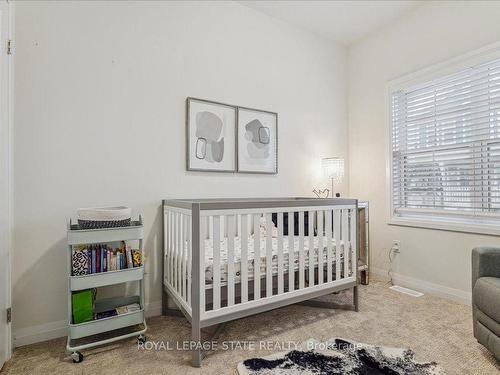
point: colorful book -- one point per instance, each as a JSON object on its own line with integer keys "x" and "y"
{"x": 89, "y": 252}
{"x": 129, "y": 258}
{"x": 136, "y": 258}
{"x": 80, "y": 261}
{"x": 128, "y": 308}
{"x": 106, "y": 314}
{"x": 93, "y": 260}
{"x": 105, "y": 265}
{"x": 102, "y": 259}
{"x": 103, "y": 256}
{"x": 105, "y": 260}
{"x": 98, "y": 259}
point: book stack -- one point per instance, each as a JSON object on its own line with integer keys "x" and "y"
{"x": 96, "y": 258}
{"x": 118, "y": 311}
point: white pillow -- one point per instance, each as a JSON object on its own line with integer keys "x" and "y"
{"x": 263, "y": 228}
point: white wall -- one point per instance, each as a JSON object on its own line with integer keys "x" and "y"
{"x": 100, "y": 93}
{"x": 432, "y": 33}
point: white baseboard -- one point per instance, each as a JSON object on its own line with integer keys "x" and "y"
{"x": 48, "y": 331}
{"x": 38, "y": 333}
{"x": 456, "y": 295}
{"x": 153, "y": 309}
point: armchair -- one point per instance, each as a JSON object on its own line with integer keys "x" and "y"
{"x": 486, "y": 297}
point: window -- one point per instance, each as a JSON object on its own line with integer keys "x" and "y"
{"x": 446, "y": 147}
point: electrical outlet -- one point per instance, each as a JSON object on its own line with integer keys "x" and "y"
{"x": 396, "y": 246}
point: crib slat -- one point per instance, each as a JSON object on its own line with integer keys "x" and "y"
{"x": 280, "y": 253}
{"x": 320, "y": 246}
{"x": 189, "y": 254}
{"x": 185, "y": 246}
{"x": 170, "y": 242}
{"x": 179, "y": 258}
{"x": 291, "y": 253}
{"x": 230, "y": 259}
{"x": 216, "y": 263}
{"x": 211, "y": 228}
{"x": 167, "y": 246}
{"x": 244, "y": 258}
{"x": 269, "y": 256}
{"x": 353, "y": 240}
{"x": 174, "y": 251}
{"x": 301, "y": 250}
{"x": 311, "y": 248}
{"x": 179, "y": 252}
{"x": 238, "y": 225}
{"x": 336, "y": 236}
{"x": 256, "y": 265}
{"x": 183, "y": 258}
{"x": 329, "y": 245}
{"x": 345, "y": 240}
{"x": 202, "y": 286}
{"x": 223, "y": 229}
{"x": 172, "y": 248}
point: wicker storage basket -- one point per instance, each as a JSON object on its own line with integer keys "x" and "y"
{"x": 104, "y": 217}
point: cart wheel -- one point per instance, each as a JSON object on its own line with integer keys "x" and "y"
{"x": 77, "y": 357}
{"x": 141, "y": 339}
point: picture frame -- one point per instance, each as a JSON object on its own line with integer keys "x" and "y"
{"x": 210, "y": 136}
{"x": 257, "y": 132}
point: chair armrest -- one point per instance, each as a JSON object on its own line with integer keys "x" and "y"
{"x": 485, "y": 263}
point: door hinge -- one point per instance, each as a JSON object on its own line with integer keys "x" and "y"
{"x": 10, "y": 47}
{"x": 9, "y": 314}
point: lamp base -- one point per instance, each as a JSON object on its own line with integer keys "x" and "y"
{"x": 337, "y": 195}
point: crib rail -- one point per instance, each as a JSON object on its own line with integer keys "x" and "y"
{"x": 227, "y": 257}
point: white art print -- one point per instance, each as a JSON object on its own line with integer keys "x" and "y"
{"x": 257, "y": 141}
{"x": 211, "y": 138}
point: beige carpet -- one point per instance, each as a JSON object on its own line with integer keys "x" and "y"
{"x": 436, "y": 329}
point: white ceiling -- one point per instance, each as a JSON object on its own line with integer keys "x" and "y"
{"x": 342, "y": 21}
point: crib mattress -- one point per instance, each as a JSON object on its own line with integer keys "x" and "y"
{"x": 209, "y": 259}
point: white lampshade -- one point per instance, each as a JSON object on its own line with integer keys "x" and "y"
{"x": 333, "y": 168}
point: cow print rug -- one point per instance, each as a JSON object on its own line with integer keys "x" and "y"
{"x": 339, "y": 356}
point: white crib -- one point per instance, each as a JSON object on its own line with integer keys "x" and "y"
{"x": 225, "y": 259}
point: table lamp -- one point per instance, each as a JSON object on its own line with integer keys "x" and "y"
{"x": 333, "y": 168}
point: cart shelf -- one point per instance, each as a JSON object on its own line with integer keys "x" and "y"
{"x": 97, "y": 326}
{"x": 96, "y": 280}
{"x": 78, "y": 236}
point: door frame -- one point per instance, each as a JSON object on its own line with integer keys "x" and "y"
{"x": 6, "y": 153}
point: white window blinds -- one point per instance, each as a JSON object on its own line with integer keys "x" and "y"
{"x": 446, "y": 144}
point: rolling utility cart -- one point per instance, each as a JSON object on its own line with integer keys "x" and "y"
{"x": 78, "y": 236}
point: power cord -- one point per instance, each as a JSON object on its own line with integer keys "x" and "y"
{"x": 389, "y": 272}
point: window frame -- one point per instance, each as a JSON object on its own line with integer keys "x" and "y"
{"x": 478, "y": 224}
